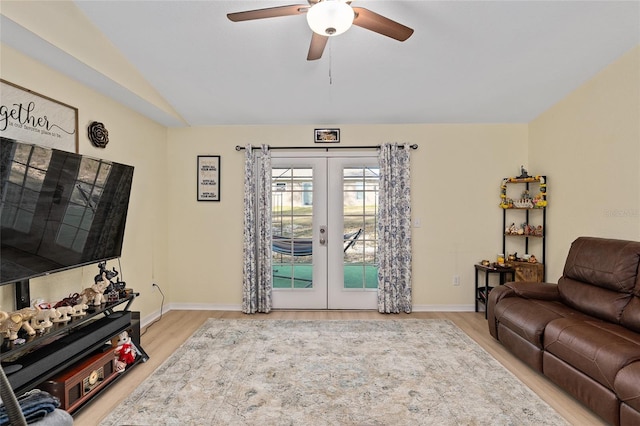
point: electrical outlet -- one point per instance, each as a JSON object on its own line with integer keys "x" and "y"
{"x": 456, "y": 280}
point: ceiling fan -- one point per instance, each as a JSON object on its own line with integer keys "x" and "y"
{"x": 328, "y": 18}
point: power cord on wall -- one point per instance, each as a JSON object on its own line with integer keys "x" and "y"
{"x": 161, "y": 308}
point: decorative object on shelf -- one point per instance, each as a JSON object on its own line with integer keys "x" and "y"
{"x": 11, "y": 323}
{"x": 98, "y": 134}
{"x": 71, "y": 300}
{"x": 114, "y": 290}
{"x": 65, "y": 313}
{"x": 37, "y": 119}
{"x": 44, "y": 318}
{"x": 95, "y": 293}
{"x": 485, "y": 263}
{"x": 326, "y": 135}
{"x": 208, "y": 178}
{"x": 125, "y": 351}
{"x": 78, "y": 383}
{"x": 525, "y": 201}
{"x": 524, "y": 230}
{"x": 523, "y": 173}
{"x": 80, "y": 310}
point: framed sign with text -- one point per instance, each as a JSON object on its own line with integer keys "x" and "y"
{"x": 30, "y": 117}
{"x": 208, "y": 178}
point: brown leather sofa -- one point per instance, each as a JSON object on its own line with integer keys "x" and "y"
{"x": 584, "y": 332}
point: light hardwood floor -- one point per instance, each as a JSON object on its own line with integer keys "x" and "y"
{"x": 165, "y": 336}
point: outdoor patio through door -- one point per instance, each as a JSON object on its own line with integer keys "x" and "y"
{"x": 324, "y": 231}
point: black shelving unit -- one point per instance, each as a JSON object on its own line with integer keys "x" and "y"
{"x": 46, "y": 354}
{"x": 538, "y": 214}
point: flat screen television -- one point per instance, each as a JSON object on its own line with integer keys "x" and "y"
{"x": 58, "y": 210}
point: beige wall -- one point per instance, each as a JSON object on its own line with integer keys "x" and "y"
{"x": 133, "y": 140}
{"x": 589, "y": 146}
{"x": 456, "y": 175}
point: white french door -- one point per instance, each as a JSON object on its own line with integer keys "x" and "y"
{"x": 324, "y": 225}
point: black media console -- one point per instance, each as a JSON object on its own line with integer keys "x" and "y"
{"x": 64, "y": 345}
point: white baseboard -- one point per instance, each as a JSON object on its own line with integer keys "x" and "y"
{"x": 187, "y": 307}
{"x": 443, "y": 308}
{"x": 216, "y": 307}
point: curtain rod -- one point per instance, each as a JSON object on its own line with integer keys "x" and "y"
{"x": 240, "y": 148}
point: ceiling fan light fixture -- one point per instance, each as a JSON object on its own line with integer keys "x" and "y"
{"x": 330, "y": 17}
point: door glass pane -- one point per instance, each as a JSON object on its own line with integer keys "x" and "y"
{"x": 360, "y": 194}
{"x": 292, "y": 219}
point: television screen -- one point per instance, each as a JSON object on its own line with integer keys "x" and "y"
{"x": 58, "y": 210}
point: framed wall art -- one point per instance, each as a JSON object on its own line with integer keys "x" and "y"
{"x": 326, "y": 135}
{"x": 30, "y": 117}
{"x": 208, "y": 178}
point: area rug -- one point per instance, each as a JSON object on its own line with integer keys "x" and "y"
{"x": 374, "y": 372}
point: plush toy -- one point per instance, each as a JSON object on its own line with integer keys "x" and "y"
{"x": 125, "y": 351}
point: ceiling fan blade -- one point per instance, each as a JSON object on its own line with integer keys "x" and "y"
{"x": 381, "y": 25}
{"x": 318, "y": 42}
{"x": 271, "y": 12}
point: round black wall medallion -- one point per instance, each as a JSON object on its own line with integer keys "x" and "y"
{"x": 98, "y": 134}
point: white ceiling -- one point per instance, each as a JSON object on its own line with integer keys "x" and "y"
{"x": 467, "y": 62}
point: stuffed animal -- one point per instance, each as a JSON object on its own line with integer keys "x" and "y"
{"x": 125, "y": 351}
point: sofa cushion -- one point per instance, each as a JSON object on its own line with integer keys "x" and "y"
{"x": 596, "y": 348}
{"x": 605, "y": 263}
{"x": 595, "y": 301}
{"x": 528, "y": 317}
{"x": 627, "y": 385}
{"x": 600, "y": 276}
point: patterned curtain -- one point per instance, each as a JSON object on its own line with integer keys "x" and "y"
{"x": 394, "y": 230}
{"x": 256, "y": 272}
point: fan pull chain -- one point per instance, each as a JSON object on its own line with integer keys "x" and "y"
{"x": 330, "y": 63}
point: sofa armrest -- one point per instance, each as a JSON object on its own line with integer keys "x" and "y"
{"x": 534, "y": 290}
{"x": 496, "y": 295}
{"x": 524, "y": 289}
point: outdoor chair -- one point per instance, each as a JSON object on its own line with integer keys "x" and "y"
{"x": 304, "y": 247}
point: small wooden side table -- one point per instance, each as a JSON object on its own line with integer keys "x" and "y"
{"x": 482, "y": 293}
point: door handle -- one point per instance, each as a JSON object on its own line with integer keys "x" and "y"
{"x": 323, "y": 235}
